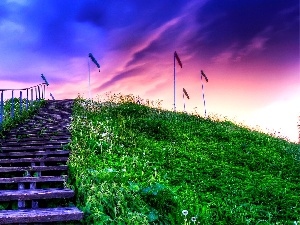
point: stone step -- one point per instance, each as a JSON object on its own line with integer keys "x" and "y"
{"x": 41, "y": 118}
{"x": 42, "y": 159}
{"x": 42, "y": 129}
{"x": 33, "y": 179}
{"x": 40, "y": 215}
{"x": 32, "y": 148}
{"x": 32, "y": 143}
{"x": 33, "y": 168}
{"x": 34, "y": 135}
{"x": 53, "y": 138}
{"x": 29, "y": 194}
{"x": 36, "y": 153}
{"x": 26, "y": 129}
{"x": 40, "y": 139}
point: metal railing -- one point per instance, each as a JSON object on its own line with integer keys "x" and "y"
{"x": 40, "y": 93}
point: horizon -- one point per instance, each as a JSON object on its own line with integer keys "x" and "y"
{"x": 249, "y": 51}
{"x": 211, "y": 116}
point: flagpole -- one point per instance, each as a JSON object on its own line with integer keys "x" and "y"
{"x": 203, "y": 96}
{"x": 174, "y": 84}
{"x": 89, "y": 80}
{"x": 183, "y": 101}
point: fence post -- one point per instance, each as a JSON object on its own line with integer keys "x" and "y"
{"x": 27, "y": 100}
{"x": 21, "y": 103}
{"x": 1, "y": 110}
{"x": 39, "y": 92}
{"x": 31, "y": 96}
{"x": 44, "y": 91}
{"x": 12, "y": 104}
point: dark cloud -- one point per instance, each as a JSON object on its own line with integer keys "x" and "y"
{"x": 93, "y": 12}
{"x": 166, "y": 41}
{"x": 121, "y": 76}
{"x": 55, "y": 24}
{"x": 118, "y": 13}
{"x": 57, "y": 30}
{"x": 234, "y": 22}
{"x": 50, "y": 22}
{"x": 145, "y": 17}
{"x": 155, "y": 13}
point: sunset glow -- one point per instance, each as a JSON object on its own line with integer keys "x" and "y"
{"x": 249, "y": 51}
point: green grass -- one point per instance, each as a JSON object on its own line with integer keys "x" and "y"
{"x": 19, "y": 117}
{"x": 134, "y": 164}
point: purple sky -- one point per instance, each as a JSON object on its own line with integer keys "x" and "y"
{"x": 248, "y": 49}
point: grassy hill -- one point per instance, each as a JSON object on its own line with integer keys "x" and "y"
{"x": 133, "y": 164}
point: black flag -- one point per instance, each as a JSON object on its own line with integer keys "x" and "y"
{"x": 203, "y": 74}
{"x": 94, "y": 60}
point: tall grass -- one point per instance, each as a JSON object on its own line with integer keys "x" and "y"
{"x": 135, "y": 164}
{"x": 298, "y": 130}
{"x": 19, "y": 116}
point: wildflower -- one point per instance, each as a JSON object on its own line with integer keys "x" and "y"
{"x": 193, "y": 219}
{"x": 104, "y": 134}
{"x": 184, "y": 212}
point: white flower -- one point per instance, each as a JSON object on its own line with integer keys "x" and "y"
{"x": 193, "y": 219}
{"x": 184, "y": 212}
{"x": 104, "y": 134}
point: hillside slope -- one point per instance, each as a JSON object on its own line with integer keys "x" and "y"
{"x": 131, "y": 164}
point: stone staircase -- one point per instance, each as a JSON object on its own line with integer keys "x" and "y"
{"x": 33, "y": 169}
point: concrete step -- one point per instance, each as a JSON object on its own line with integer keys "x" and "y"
{"x": 35, "y": 153}
{"x": 29, "y": 194}
{"x": 42, "y": 159}
{"x": 34, "y": 168}
{"x": 40, "y": 215}
{"x": 39, "y": 140}
{"x": 32, "y": 138}
{"x": 33, "y": 179}
{"x": 30, "y": 148}
{"x": 35, "y": 143}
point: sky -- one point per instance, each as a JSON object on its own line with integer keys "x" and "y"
{"x": 248, "y": 49}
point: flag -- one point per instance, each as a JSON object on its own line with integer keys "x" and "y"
{"x": 186, "y": 94}
{"x": 203, "y": 74}
{"x": 178, "y": 60}
{"x": 44, "y": 78}
{"x": 94, "y": 60}
{"x": 52, "y": 96}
